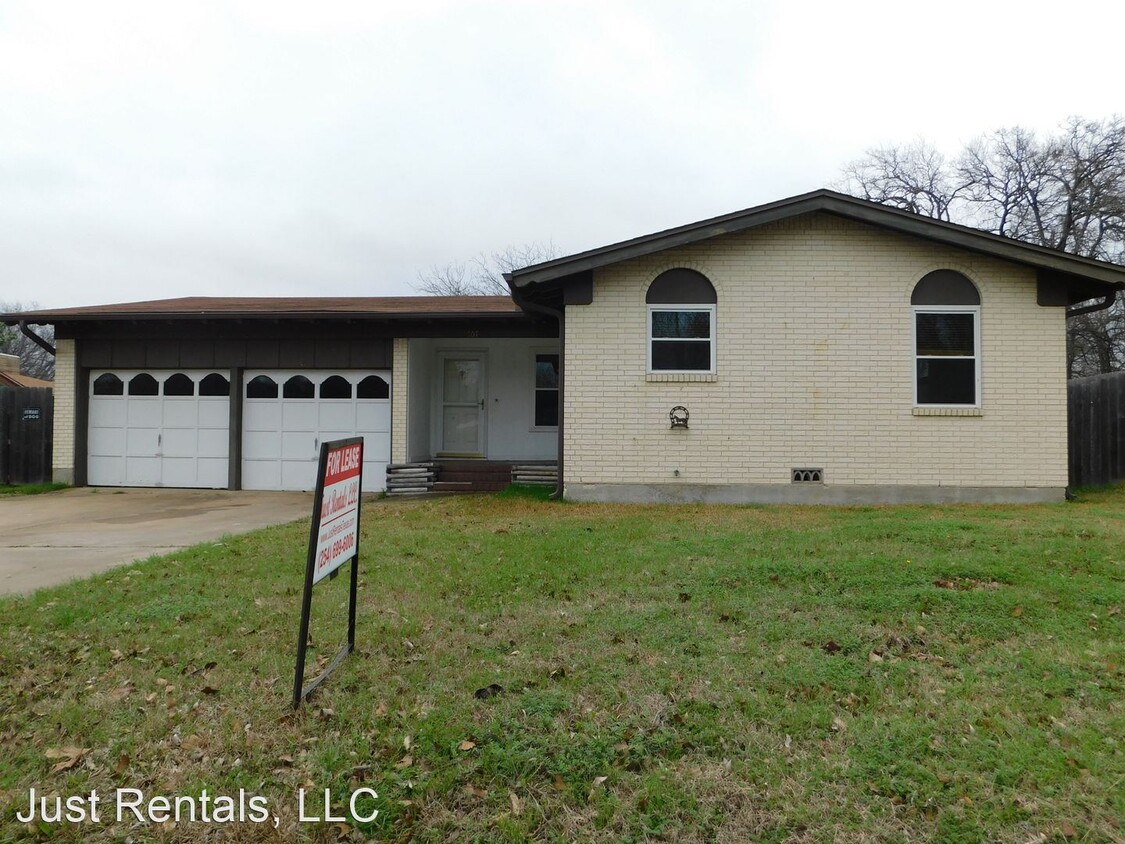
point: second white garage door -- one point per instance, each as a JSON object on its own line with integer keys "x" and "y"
{"x": 286, "y": 415}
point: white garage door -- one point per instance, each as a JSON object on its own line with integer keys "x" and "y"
{"x": 159, "y": 428}
{"x": 286, "y": 415}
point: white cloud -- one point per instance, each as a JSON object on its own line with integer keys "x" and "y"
{"x": 152, "y": 150}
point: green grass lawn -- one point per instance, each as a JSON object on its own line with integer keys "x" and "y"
{"x": 687, "y": 673}
{"x": 30, "y": 489}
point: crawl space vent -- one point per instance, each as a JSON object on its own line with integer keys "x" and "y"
{"x": 808, "y": 476}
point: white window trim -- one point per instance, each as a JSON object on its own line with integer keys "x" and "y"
{"x": 946, "y": 309}
{"x": 679, "y": 309}
{"x": 534, "y": 354}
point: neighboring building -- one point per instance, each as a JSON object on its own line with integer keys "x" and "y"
{"x": 819, "y": 349}
{"x": 10, "y": 375}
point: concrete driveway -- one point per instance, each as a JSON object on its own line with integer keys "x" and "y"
{"x": 52, "y": 538}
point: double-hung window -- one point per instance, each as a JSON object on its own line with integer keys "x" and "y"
{"x": 546, "y": 391}
{"x": 947, "y": 359}
{"x": 681, "y": 323}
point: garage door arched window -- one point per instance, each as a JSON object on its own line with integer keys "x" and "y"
{"x": 298, "y": 387}
{"x": 373, "y": 387}
{"x": 108, "y": 384}
{"x": 946, "y": 308}
{"x": 143, "y": 385}
{"x": 335, "y": 387}
{"x": 214, "y": 384}
{"x": 681, "y": 322}
{"x": 179, "y": 385}
{"x": 261, "y": 387}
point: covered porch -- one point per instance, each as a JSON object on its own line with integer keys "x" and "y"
{"x": 474, "y": 413}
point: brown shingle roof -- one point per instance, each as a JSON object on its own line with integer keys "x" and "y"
{"x": 221, "y": 307}
{"x": 15, "y": 379}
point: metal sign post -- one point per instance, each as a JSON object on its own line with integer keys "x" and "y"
{"x": 333, "y": 540}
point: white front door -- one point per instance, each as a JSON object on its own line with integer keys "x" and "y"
{"x": 286, "y": 415}
{"x": 462, "y": 406}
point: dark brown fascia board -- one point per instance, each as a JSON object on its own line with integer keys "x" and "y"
{"x": 831, "y": 202}
{"x": 49, "y": 318}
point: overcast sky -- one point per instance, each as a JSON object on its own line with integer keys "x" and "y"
{"x": 158, "y": 149}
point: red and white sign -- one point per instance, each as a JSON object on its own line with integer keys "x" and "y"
{"x": 338, "y": 532}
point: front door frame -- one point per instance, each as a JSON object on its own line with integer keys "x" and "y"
{"x": 444, "y": 355}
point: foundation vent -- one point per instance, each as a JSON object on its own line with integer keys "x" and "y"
{"x": 808, "y": 476}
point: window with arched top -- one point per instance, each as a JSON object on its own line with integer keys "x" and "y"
{"x": 214, "y": 384}
{"x": 179, "y": 385}
{"x": 298, "y": 387}
{"x": 681, "y": 322}
{"x": 946, "y": 308}
{"x": 261, "y": 387}
{"x": 108, "y": 384}
{"x": 143, "y": 385}
{"x": 335, "y": 387}
{"x": 373, "y": 387}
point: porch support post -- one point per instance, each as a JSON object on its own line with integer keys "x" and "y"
{"x": 400, "y": 399}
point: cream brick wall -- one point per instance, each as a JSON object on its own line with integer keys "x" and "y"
{"x": 62, "y": 461}
{"x": 400, "y": 399}
{"x": 814, "y": 368}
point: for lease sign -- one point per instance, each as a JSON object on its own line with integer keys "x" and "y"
{"x": 338, "y": 531}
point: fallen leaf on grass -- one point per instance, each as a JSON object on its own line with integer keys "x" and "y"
{"x": 473, "y": 791}
{"x": 1068, "y": 830}
{"x": 830, "y": 647}
{"x": 684, "y": 597}
{"x": 210, "y": 690}
{"x": 122, "y": 764}
{"x": 69, "y": 755}
{"x": 559, "y": 783}
{"x": 874, "y": 656}
{"x": 1017, "y": 612}
{"x": 597, "y": 781}
{"x": 517, "y": 804}
{"x": 405, "y": 762}
{"x": 838, "y": 724}
{"x": 466, "y": 745}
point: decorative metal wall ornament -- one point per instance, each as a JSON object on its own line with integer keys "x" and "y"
{"x": 679, "y": 416}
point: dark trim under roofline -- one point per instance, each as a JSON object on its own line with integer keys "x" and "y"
{"x": 1105, "y": 277}
{"x": 47, "y": 318}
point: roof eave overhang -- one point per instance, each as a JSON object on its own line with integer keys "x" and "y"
{"x": 1107, "y": 277}
{"x": 48, "y": 318}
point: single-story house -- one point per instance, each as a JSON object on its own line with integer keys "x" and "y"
{"x": 817, "y": 349}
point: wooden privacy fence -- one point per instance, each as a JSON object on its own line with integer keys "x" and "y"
{"x": 26, "y": 421}
{"x": 1096, "y": 429}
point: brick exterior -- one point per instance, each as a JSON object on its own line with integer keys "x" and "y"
{"x": 400, "y": 399}
{"x": 814, "y": 368}
{"x": 62, "y": 468}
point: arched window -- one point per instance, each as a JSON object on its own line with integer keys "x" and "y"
{"x": 946, "y": 340}
{"x": 108, "y": 384}
{"x": 681, "y": 322}
{"x": 298, "y": 387}
{"x": 143, "y": 385}
{"x": 373, "y": 387}
{"x": 335, "y": 387}
{"x": 261, "y": 387}
{"x": 214, "y": 384}
{"x": 179, "y": 385}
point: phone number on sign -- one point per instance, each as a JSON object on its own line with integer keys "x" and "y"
{"x": 337, "y": 549}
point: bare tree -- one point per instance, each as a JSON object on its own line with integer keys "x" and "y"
{"x": 484, "y": 274}
{"x": 34, "y": 360}
{"x": 1066, "y": 191}
{"x": 915, "y": 177}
